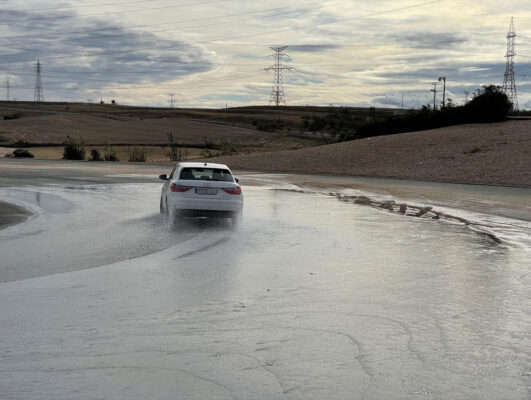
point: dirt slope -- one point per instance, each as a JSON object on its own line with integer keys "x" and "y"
{"x": 497, "y": 153}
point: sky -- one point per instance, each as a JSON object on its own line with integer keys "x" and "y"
{"x": 214, "y": 53}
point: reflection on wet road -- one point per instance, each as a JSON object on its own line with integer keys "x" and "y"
{"x": 312, "y": 298}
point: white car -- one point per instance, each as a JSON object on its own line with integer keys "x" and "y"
{"x": 201, "y": 190}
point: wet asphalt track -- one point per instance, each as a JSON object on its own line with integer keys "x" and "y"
{"x": 312, "y": 298}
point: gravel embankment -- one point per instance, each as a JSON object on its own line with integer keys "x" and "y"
{"x": 498, "y": 153}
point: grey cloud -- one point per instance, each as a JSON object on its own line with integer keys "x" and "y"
{"x": 313, "y": 48}
{"x": 107, "y": 55}
{"x": 428, "y": 40}
{"x": 387, "y": 101}
{"x": 481, "y": 72}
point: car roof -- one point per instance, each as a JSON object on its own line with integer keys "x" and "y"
{"x": 201, "y": 165}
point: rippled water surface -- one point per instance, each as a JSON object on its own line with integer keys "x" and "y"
{"x": 312, "y": 298}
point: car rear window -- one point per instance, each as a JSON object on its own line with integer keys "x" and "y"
{"x": 206, "y": 174}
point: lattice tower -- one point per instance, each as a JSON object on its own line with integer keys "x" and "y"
{"x": 38, "y": 95}
{"x": 277, "y": 93}
{"x": 509, "y": 85}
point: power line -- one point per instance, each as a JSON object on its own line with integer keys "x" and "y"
{"x": 242, "y": 36}
{"x": 216, "y": 23}
{"x": 203, "y": 81}
{"x": 111, "y": 12}
{"x": 76, "y": 7}
{"x": 288, "y": 29}
{"x": 339, "y": 20}
{"x": 39, "y": 35}
{"x": 146, "y": 71}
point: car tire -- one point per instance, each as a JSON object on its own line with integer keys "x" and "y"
{"x": 236, "y": 219}
{"x": 162, "y": 211}
{"x": 177, "y": 219}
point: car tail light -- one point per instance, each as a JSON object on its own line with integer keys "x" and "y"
{"x": 176, "y": 188}
{"x": 237, "y": 190}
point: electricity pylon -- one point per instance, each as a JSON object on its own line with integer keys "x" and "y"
{"x": 172, "y": 95}
{"x": 277, "y": 93}
{"x": 443, "y": 78}
{"x": 509, "y": 86}
{"x": 38, "y": 96}
{"x": 434, "y": 90}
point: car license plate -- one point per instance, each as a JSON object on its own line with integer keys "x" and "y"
{"x": 206, "y": 191}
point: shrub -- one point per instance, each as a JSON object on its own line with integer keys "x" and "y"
{"x": 110, "y": 154}
{"x": 95, "y": 155}
{"x": 21, "y": 143}
{"x": 74, "y": 149}
{"x": 268, "y": 125}
{"x": 137, "y": 154}
{"x": 210, "y": 143}
{"x": 22, "y": 153}
{"x": 176, "y": 150}
{"x": 228, "y": 148}
{"x": 205, "y": 153}
{"x": 341, "y": 122}
{"x": 489, "y": 105}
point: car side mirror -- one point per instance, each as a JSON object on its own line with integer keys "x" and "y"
{"x": 237, "y": 180}
{"x": 163, "y": 177}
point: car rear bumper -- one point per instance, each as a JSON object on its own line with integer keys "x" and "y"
{"x": 206, "y": 205}
{"x": 206, "y": 213}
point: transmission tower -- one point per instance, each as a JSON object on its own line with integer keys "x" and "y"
{"x": 509, "y": 86}
{"x": 277, "y": 93}
{"x": 38, "y": 96}
{"x": 172, "y": 95}
{"x": 434, "y": 90}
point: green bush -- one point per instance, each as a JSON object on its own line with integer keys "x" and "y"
{"x": 22, "y": 153}
{"x": 110, "y": 153}
{"x": 74, "y": 148}
{"x": 137, "y": 154}
{"x": 95, "y": 155}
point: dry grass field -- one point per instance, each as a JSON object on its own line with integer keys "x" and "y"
{"x": 50, "y": 123}
{"x": 52, "y": 129}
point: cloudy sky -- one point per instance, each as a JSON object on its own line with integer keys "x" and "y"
{"x": 209, "y": 53}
